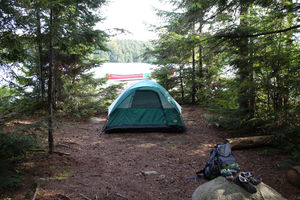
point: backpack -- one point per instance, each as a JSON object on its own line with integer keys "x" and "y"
{"x": 221, "y": 157}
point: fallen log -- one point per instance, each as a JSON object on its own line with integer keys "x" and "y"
{"x": 293, "y": 176}
{"x": 247, "y": 142}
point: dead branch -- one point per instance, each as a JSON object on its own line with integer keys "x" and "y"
{"x": 85, "y": 197}
{"x": 36, "y": 191}
{"x": 61, "y": 153}
{"x": 64, "y": 145}
{"x": 120, "y": 195}
{"x": 67, "y": 146}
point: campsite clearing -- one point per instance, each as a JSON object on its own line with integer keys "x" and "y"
{"x": 137, "y": 165}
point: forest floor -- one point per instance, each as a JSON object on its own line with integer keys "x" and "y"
{"x": 115, "y": 166}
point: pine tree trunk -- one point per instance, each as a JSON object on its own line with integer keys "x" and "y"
{"x": 54, "y": 87}
{"x": 40, "y": 55}
{"x": 181, "y": 83}
{"x": 243, "y": 66}
{"x": 50, "y": 88}
{"x": 193, "y": 78}
{"x": 200, "y": 67}
{"x": 252, "y": 86}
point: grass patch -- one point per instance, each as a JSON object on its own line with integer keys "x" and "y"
{"x": 63, "y": 175}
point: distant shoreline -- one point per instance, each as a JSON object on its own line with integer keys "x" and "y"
{"x": 122, "y": 69}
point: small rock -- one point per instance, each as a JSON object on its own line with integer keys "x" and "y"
{"x": 143, "y": 173}
{"x": 150, "y": 172}
{"x": 161, "y": 177}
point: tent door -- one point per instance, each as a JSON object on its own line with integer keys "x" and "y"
{"x": 148, "y": 99}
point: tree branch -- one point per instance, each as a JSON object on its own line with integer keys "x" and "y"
{"x": 257, "y": 34}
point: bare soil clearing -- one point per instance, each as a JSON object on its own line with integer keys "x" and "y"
{"x": 115, "y": 166}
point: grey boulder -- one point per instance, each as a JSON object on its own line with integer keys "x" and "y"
{"x": 221, "y": 189}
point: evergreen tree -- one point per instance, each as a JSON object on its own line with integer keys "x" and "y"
{"x": 125, "y": 51}
{"x": 249, "y": 38}
{"x": 46, "y": 41}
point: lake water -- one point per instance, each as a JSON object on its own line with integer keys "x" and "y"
{"x": 122, "y": 69}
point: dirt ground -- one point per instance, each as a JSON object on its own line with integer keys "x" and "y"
{"x": 137, "y": 166}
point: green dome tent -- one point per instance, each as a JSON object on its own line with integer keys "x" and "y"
{"x": 144, "y": 105}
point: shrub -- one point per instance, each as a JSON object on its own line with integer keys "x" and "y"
{"x": 84, "y": 96}
{"x": 13, "y": 147}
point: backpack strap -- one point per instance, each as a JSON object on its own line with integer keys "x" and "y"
{"x": 206, "y": 171}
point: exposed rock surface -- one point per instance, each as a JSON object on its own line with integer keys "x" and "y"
{"x": 221, "y": 189}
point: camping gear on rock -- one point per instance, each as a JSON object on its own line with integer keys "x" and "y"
{"x": 254, "y": 180}
{"x": 144, "y": 105}
{"x": 247, "y": 181}
{"x": 222, "y": 189}
{"x": 227, "y": 173}
{"x": 220, "y": 158}
{"x": 222, "y": 162}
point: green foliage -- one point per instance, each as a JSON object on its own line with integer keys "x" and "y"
{"x": 108, "y": 95}
{"x": 258, "y": 46}
{"x": 164, "y": 76}
{"x": 5, "y": 99}
{"x": 8, "y": 178}
{"x": 126, "y": 51}
{"x": 25, "y": 38}
{"x": 293, "y": 158}
{"x": 16, "y": 102}
{"x": 80, "y": 95}
{"x": 85, "y": 95}
{"x": 13, "y": 147}
{"x": 34, "y": 35}
{"x": 224, "y": 94}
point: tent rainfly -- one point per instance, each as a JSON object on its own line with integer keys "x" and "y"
{"x": 144, "y": 105}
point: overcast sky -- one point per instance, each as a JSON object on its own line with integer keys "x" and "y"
{"x": 133, "y": 15}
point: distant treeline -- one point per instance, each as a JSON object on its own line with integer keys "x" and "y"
{"x": 126, "y": 51}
